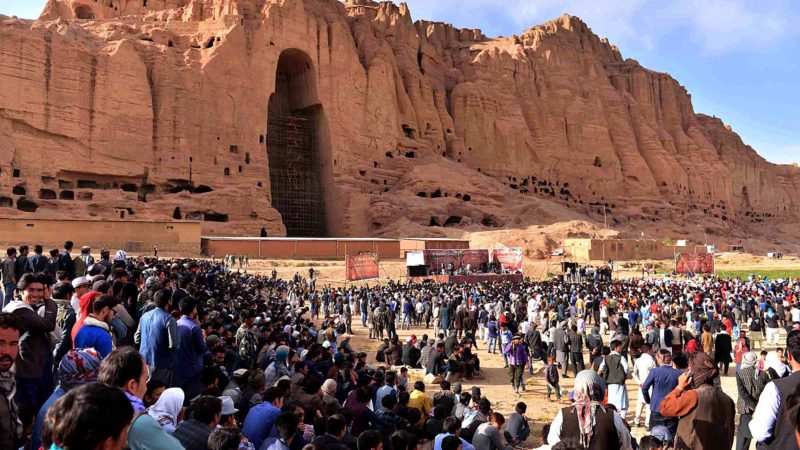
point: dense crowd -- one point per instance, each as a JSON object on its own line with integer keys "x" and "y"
{"x": 149, "y": 353}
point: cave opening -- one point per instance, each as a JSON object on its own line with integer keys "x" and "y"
{"x": 294, "y": 142}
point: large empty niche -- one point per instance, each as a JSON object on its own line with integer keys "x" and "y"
{"x": 294, "y": 135}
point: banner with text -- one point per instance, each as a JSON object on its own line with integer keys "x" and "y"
{"x": 438, "y": 260}
{"x": 509, "y": 258}
{"x": 361, "y": 267}
{"x": 694, "y": 263}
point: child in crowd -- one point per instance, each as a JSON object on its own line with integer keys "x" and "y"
{"x": 402, "y": 380}
{"x": 551, "y": 376}
{"x": 762, "y": 359}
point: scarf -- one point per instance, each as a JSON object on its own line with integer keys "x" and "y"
{"x": 8, "y": 388}
{"x": 590, "y": 390}
{"x": 136, "y": 402}
{"x": 168, "y": 407}
{"x": 329, "y": 388}
{"x": 703, "y": 369}
{"x": 749, "y": 360}
{"x": 86, "y": 302}
{"x": 78, "y": 367}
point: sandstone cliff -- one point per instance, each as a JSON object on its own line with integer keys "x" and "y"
{"x": 158, "y": 109}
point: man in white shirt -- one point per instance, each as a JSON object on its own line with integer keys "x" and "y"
{"x": 795, "y": 312}
{"x": 641, "y": 369}
{"x": 81, "y": 285}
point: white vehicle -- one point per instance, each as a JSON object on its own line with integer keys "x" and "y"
{"x": 558, "y": 252}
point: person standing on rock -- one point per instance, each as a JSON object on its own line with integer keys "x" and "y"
{"x": 517, "y": 358}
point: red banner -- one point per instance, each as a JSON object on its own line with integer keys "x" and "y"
{"x": 361, "y": 267}
{"x": 694, "y": 263}
{"x": 439, "y": 259}
{"x": 476, "y": 259}
{"x": 509, "y": 258}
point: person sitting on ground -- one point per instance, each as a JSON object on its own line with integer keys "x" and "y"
{"x": 445, "y": 397}
{"x": 168, "y": 410}
{"x": 368, "y": 440}
{"x": 286, "y": 426}
{"x": 452, "y": 428}
{"x": 193, "y": 434}
{"x": 126, "y": 369}
{"x": 517, "y": 428}
{"x": 650, "y": 443}
{"x": 335, "y": 430}
{"x": 420, "y": 401}
{"x": 487, "y": 436}
{"x": 228, "y": 438}
{"x": 453, "y": 443}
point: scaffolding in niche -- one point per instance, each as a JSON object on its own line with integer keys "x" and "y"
{"x": 294, "y": 171}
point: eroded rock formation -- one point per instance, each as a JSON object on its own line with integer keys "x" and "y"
{"x": 159, "y": 109}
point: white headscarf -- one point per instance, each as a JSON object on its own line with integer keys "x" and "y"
{"x": 774, "y": 362}
{"x": 167, "y": 409}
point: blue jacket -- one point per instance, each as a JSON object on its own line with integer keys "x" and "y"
{"x": 258, "y": 425}
{"x": 93, "y": 336}
{"x": 158, "y": 339}
{"x": 663, "y": 380}
{"x": 190, "y": 353}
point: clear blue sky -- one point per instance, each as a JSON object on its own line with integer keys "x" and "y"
{"x": 740, "y": 59}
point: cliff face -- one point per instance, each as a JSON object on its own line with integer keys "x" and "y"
{"x": 158, "y": 109}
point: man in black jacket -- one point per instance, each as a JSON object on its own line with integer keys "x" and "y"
{"x": 65, "y": 261}
{"x": 34, "y": 365}
{"x": 21, "y": 264}
{"x": 534, "y": 340}
{"x": 38, "y": 262}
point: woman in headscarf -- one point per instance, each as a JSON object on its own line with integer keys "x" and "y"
{"x": 121, "y": 256}
{"x": 168, "y": 409}
{"x": 278, "y": 368}
{"x": 86, "y": 302}
{"x": 774, "y": 367}
{"x": 77, "y": 367}
{"x": 598, "y": 426}
{"x": 330, "y": 404}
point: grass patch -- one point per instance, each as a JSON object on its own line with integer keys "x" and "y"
{"x": 772, "y": 274}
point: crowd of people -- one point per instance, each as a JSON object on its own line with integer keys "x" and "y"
{"x": 148, "y": 353}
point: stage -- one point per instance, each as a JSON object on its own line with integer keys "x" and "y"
{"x": 474, "y": 278}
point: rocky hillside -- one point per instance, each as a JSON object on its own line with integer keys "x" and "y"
{"x": 156, "y": 109}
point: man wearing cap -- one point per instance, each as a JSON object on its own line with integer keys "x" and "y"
{"x": 517, "y": 358}
{"x": 95, "y": 332}
{"x": 82, "y": 285}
